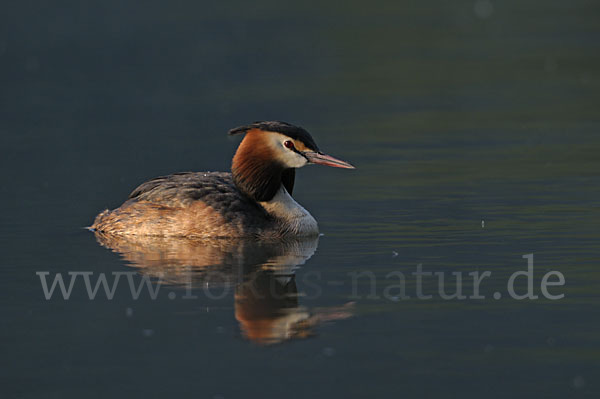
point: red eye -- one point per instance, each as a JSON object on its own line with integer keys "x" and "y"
{"x": 288, "y": 144}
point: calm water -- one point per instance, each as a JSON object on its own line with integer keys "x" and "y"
{"x": 474, "y": 127}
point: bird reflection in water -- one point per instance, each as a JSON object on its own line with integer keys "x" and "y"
{"x": 263, "y": 273}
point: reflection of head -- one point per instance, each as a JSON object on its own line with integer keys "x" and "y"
{"x": 266, "y": 305}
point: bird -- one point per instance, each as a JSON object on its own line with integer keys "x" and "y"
{"x": 254, "y": 200}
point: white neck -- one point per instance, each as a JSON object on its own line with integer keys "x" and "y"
{"x": 295, "y": 219}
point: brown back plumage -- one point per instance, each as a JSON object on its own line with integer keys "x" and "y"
{"x": 192, "y": 204}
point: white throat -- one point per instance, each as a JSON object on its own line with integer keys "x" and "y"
{"x": 295, "y": 219}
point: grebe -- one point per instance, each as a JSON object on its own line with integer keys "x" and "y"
{"x": 254, "y": 200}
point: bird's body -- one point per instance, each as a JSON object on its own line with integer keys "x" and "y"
{"x": 253, "y": 201}
{"x": 209, "y": 204}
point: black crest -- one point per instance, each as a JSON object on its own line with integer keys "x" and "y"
{"x": 293, "y": 132}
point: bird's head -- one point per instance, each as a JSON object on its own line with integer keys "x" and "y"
{"x": 290, "y": 145}
{"x": 270, "y": 152}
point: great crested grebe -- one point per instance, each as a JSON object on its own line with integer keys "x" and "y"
{"x": 254, "y": 200}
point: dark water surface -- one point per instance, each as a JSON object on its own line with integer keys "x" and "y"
{"x": 475, "y": 130}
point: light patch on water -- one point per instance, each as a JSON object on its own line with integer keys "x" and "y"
{"x": 483, "y": 9}
{"x": 578, "y": 382}
{"x": 147, "y": 332}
